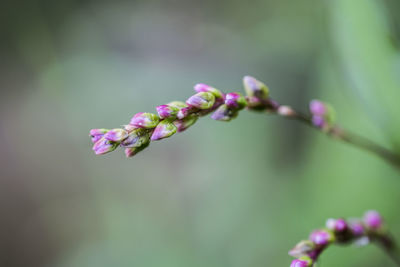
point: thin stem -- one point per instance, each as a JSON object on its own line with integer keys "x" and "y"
{"x": 337, "y": 132}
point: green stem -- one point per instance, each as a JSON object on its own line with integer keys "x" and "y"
{"x": 356, "y": 140}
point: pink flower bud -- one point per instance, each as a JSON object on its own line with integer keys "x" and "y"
{"x": 104, "y": 146}
{"x": 224, "y": 113}
{"x": 137, "y": 138}
{"x": 357, "y": 228}
{"x": 235, "y": 101}
{"x": 254, "y": 87}
{"x": 116, "y": 135}
{"x": 184, "y": 112}
{"x": 339, "y": 225}
{"x": 185, "y": 123}
{"x": 317, "y": 108}
{"x": 302, "y": 262}
{"x": 201, "y": 87}
{"x": 321, "y": 237}
{"x": 202, "y": 100}
{"x": 373, "y": 219}
{"x": 144, "y": 120}
{"x": 97, "y": 134}
{"x": 167, "y": 111}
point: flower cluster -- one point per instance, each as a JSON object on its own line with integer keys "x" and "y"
{"x": 340, "y": 231}
{"x": 177, "y": 116}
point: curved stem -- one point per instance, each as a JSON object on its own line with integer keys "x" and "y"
{"x": 337, "y": 132}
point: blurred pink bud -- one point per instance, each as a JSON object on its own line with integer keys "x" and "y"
{"x": 317, "y": 108}
{"x": 320, "y": 237}
{"x": 373, "y": 219}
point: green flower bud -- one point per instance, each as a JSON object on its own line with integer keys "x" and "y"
{"x": 163, "y": 130}
{"x": 254, "y": 87}
{"x": 177, "y": 104}
{"x": 136, "y": 138}
{"x": 307, "y": 259}
{"x": 201, "y": 87}
{"x": 202, "y": 100}
{"x": 224, "y": 113}
{"x": 116, "y": 135}
{"x": 302, "y": 248}
{"x": 185, "y": 123}
{"x": 145, "y": 120}
{"x": 132, "y": 151}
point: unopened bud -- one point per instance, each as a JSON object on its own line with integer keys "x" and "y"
{"x": 136, "y": 138}
{"x": 145, "y": 120}
{"x": 357, "y": 228}
{"x": 201, "y": 87}
{"x": 129, "y": 128}
{"x": 254, "y": 87}
{"x": 167, "y": 111}
{"x": 323, "y": 115}
{"x": 202, "y": 100}
{"x": 184, "y": 112}
{"x": 302, "y": 248}
{"x": 163, "y": 130}
{"x": 185, "y": 123}
{"x": 132, "y": 151}
{"x": 339, "y": 225}
{"x": 317, "y": 107}
{"x": 97, "y": 134}
{"x": 235, "y": 101}
{"x": 255, "y": 103}
{"x": 373, "y": 219}
{"x": 224, "y": 113}
{"x": 116, "y": 135}
{"x": 321, "y": 237}
{"x": 104, "y": 146}
{"x": 304, "y": 261}
{"x": 318, "y": 121}
{"x": 177, "y": 104}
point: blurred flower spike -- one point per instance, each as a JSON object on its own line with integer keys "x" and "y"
{"x": 340, "y": 231}
{"x": 373, "y": 219}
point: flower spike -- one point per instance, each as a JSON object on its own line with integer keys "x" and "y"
{"x": 341, "y": 231}
{"x": 225, "y": 107}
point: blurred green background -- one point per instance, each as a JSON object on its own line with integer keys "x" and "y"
{"x": 221, "y": 194}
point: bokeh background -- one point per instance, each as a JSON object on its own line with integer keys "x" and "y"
{"x": 221, "y": 194}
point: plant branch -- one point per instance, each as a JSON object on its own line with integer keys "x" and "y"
{"x": 369, "y": 229}
{"x": 336, "y": 132}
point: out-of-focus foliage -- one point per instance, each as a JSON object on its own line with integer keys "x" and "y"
{"x": 369, "y": 59}
{"x": 221, "y": 194}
